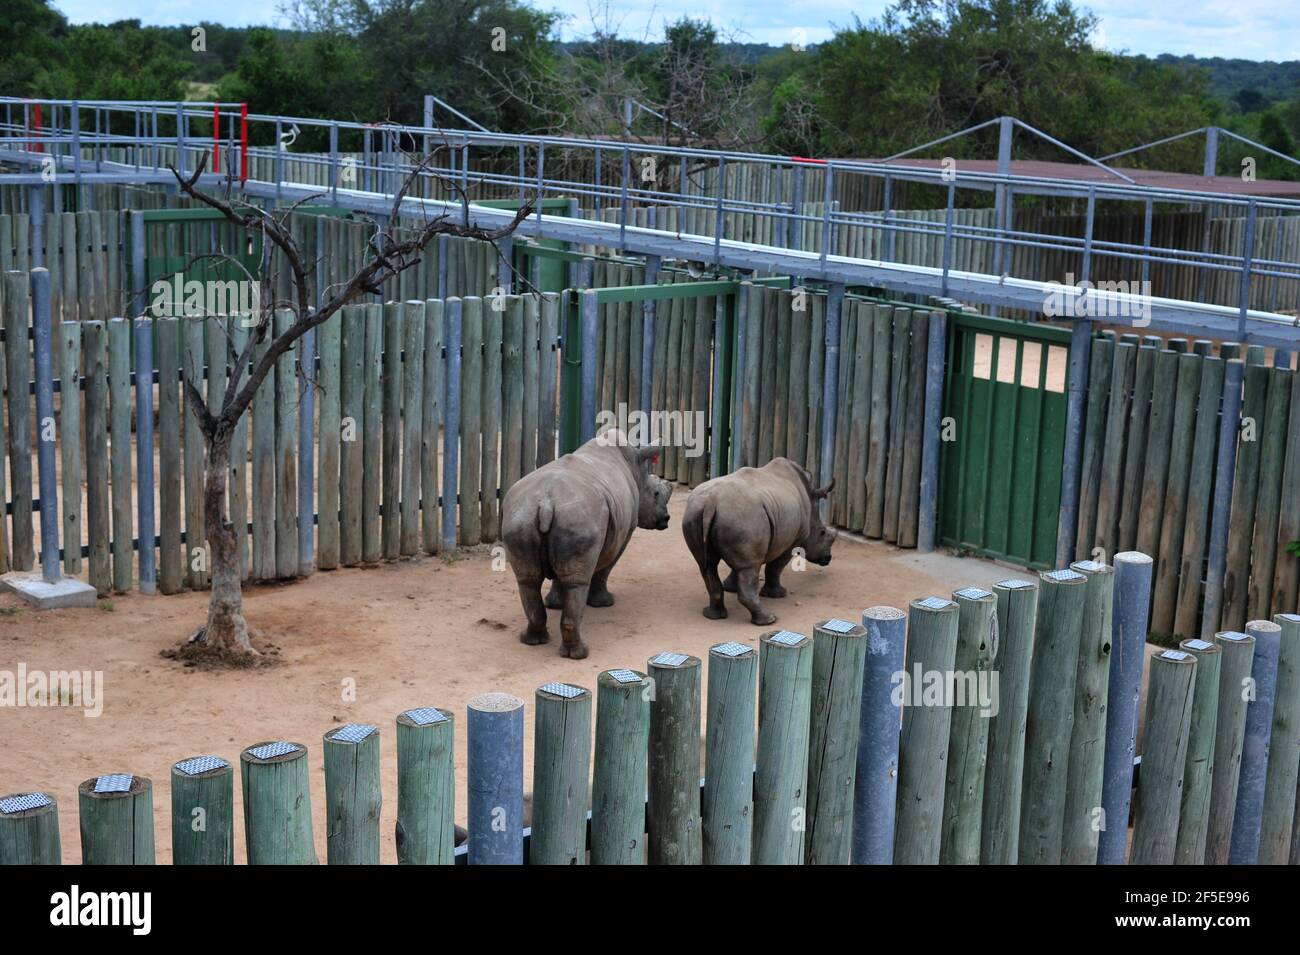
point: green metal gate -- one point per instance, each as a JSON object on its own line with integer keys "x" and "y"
{"x": 1003, "y": 438}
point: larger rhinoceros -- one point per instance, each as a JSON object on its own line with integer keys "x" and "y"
{"x": 569, "y": 522}
{"x": 751, "y": 518}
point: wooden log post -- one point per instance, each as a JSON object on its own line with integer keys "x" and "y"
{"x": 70, "y": 450}
{"x": 1164, "y": 757}
{"x": 1053, "y": 673}
{"x": 495, "y": 737}
{"x": 116, "y": 820}
{"x": 839, "y": 653}
{"x": 1237, "y": 652}
{"x": 119, "y": 384}
{"x": 875, "y": 785}
{"x": 1132, "y": 601}
{"x": 1083, "y": 804}
{"x": 277, "y": 804}
{"x": 391, "y": 468}
{"x": 352, "y": 795}
{"x": 1017, "y": 611}
{"x": 352, "y": 396}
{"x": 673, "y": 770}
{"x": 1248, "y": 817}
{"x": 727, "y": 808}
{"x": 781, "y": 774}
{"x": 95, "y": 350}
{"x": 372, "y": 435}
{"x": 974, "y": 702}
{"x": 1198, "y": 772}
{"x": 1276, "y": 830}
{"x": 18, "y": 367}
{"x": 561, "y": 764}
{"x": 29, "y": 830}
{"x": 426, "y": 787}
{"x": 203, "y": 811}
{"x": 927, "y": 723}
{"x": 618, "y": 785}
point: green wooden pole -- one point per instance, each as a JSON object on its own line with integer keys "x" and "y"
{"x": 263, "y": 496}
{"x": 352, "y": 414}
{"x": 116, "y": 821}
{"x": 432, "y": 408}
{"x": 95, "y": 352}
{"x": 328, "y": 340}
{"x": 618, "y": 787}
{"x": 975, "y": 700}
{"x": 927, "y": 722}
{"x": 277, "y": 804}
{"x": 1084, "y": 817}
{"x": 29, "y": 830}
{"x": 120, "y": 448}
{"x": 18, "y": 366}
{"x": 1275, "y": 836}
{"x": 70, "y": 450}
{"x": 170, "y": 553}
{"x": 1057, "y": 637}
{"x": 781, "y": 776}
{"x": 352, "y": 795}
{"x": 426, "y": 787}
{"x": 372, "y": 435}
{"x": 1017, "y": 611}
{"x": 195, "y": 539}
{"x": 673, "y": 766}
{"x": 839, "y": 656}
{"x": 729, "y": 755}
{"x": 413, "y": 326}
{"x": 561, "y": 763}
{"x": 286, "y": 454}
{"x": 391, "y": 474}
{"x": 489, "y": 475}
{"x": 1164, "y": 757}
{"x": 1198, "y": 771}
{"x": 1237, "y": 655}
{"x": 471, "y": 421}
{"x": 203, "y": 811}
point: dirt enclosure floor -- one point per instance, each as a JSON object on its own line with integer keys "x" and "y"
{"x": 419, "y": 632}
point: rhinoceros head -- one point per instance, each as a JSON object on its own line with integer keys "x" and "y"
{"x": 652, "y": 506}
{"x": 817, "y": 545}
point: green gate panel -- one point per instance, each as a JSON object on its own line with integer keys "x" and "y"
{"x": 1000, "y": 475}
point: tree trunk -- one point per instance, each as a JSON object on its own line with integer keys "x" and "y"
{"x": 226, "y": 628}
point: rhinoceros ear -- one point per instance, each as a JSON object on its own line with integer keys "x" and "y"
{"x": 648, "y": 454}
{"x": 822, "y": 492}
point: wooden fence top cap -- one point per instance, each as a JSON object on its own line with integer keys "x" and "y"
{"x": 495, "y": 703}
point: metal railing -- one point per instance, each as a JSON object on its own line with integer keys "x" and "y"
{"x": 134, "y": 141}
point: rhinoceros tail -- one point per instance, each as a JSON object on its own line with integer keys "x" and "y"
{"x": 545, "y": 515}
{"x": 696, "y": 525}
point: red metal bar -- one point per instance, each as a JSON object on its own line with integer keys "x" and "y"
{"x": 36, "y": 118}
{"x": 243, "y": 142}
{"x": 216, "y": 139}
{"x": 817, "y": 162}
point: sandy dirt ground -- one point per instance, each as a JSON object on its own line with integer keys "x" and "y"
{"x": 412, "y": 633}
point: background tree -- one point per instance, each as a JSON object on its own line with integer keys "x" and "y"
{"x": 226, "y": 632}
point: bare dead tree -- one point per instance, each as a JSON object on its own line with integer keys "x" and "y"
{"x": 226, "y": 629}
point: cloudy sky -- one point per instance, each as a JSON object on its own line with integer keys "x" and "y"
{"x": 1250, "y": 29}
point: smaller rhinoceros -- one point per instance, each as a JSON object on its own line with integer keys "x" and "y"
{"x": 755, "y": 517}
{"x": 569, "y": 522}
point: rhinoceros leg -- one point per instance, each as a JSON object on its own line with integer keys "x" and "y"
{"x": 575, "y": 602}
{"x": 717, "y": 608}
{"x": 729, "y": 584}
{"x": 747, "y": 591}
{"x": 772, "y": 577}
{"x": 599, "y": 595}
{"x": 530, "y": 594}
{"x": 555, "y": 596}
